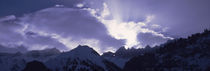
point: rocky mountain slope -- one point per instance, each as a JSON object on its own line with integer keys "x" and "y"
{"x": 183, "y": 54}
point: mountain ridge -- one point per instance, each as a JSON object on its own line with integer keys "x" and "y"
{"x": 191, "y": 53}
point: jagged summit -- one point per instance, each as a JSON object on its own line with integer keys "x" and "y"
{"x": 181, "y": 54}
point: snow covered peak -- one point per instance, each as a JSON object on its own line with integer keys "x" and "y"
{"x": 82, "y": 52}
{"x": 82, "y": 57}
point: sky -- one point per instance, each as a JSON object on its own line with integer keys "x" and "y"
{"x": 104, "y": 25}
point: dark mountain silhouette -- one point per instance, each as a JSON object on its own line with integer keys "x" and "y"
{"x": 122, "y": 52}
{"x": 36, "y": 66}
{"x": 122, "y": 55}
{"x": 183, "y": 54}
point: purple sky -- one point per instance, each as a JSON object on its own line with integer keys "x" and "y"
{"x": 104, "y": 25}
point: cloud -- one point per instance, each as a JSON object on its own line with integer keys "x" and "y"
{"x": 161, "y": 19}
{"x": 15, "y": 34}
{"x": 39, "y": 42}
{"x": 71, "y": 27}
{"x": 182, "y": 18}
{"x": 61, "y": 26}
{"x": 104, "y": 25}
{"x": 126, "y": 30}
{"x": 153, "y": 39}
{"x": 7, "y": 30}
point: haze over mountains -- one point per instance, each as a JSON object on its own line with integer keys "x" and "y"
{"x": 183, "y": 54}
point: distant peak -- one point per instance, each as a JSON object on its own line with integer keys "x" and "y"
{"x": 122, "y": 48}
{"x": 84, "y": 49}
{"x": 147, "y": 47}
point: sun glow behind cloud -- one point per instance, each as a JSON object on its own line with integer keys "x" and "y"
{"x": 123, "y": 30}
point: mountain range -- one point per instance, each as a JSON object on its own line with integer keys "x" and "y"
{"x": 181, "y": 54}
